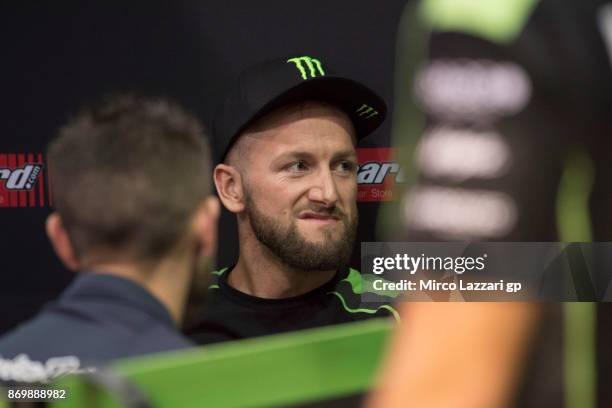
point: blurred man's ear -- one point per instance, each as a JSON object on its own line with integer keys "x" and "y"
{"x": 230, "y": 188}
{"x": 205, "y": 224}
{"x": 60, "y": 241}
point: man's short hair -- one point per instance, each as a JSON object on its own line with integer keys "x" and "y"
{"x": 127, "y": 175}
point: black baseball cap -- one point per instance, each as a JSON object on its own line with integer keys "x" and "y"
{"x": 271, "y": 84}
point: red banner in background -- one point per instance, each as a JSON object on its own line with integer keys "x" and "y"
{"x": 21, "y": 182}
{"x": 378, "y": 174}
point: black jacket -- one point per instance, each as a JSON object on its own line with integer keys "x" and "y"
{"x": 98, "y": 318}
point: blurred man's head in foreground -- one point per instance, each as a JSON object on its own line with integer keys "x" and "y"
{"x": 130, "y": 181}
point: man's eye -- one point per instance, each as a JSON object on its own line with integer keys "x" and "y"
{"x": 347, "y": 166}
{"x": 298, "y": 166}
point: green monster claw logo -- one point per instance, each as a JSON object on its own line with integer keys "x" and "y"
{"x": 312, "y": 64}
{"x": 366, "y": 111}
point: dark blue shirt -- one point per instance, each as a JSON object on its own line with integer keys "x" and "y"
{"x": 99, "y": 317}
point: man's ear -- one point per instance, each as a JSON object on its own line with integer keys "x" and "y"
{"x": 60, "y": 241}
{"x": 205, "y": 225}
{"x": 229, "y": 184}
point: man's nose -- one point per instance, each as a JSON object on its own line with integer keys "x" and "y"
{"x": 324, "y": 189}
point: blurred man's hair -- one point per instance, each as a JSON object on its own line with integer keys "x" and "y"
{"x": 127, "y": 175}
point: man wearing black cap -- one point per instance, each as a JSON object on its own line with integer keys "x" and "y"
{"x": 288, "y": 170}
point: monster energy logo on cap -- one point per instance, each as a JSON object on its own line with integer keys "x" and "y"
{"x": 313, "y": 65}
{"x": 366, "y": 111}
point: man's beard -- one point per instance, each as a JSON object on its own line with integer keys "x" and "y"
{"x": 197, "y": 296}
{"x": 294, "y": 250}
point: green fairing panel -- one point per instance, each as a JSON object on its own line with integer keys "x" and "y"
{"x": 280, "y": 370}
